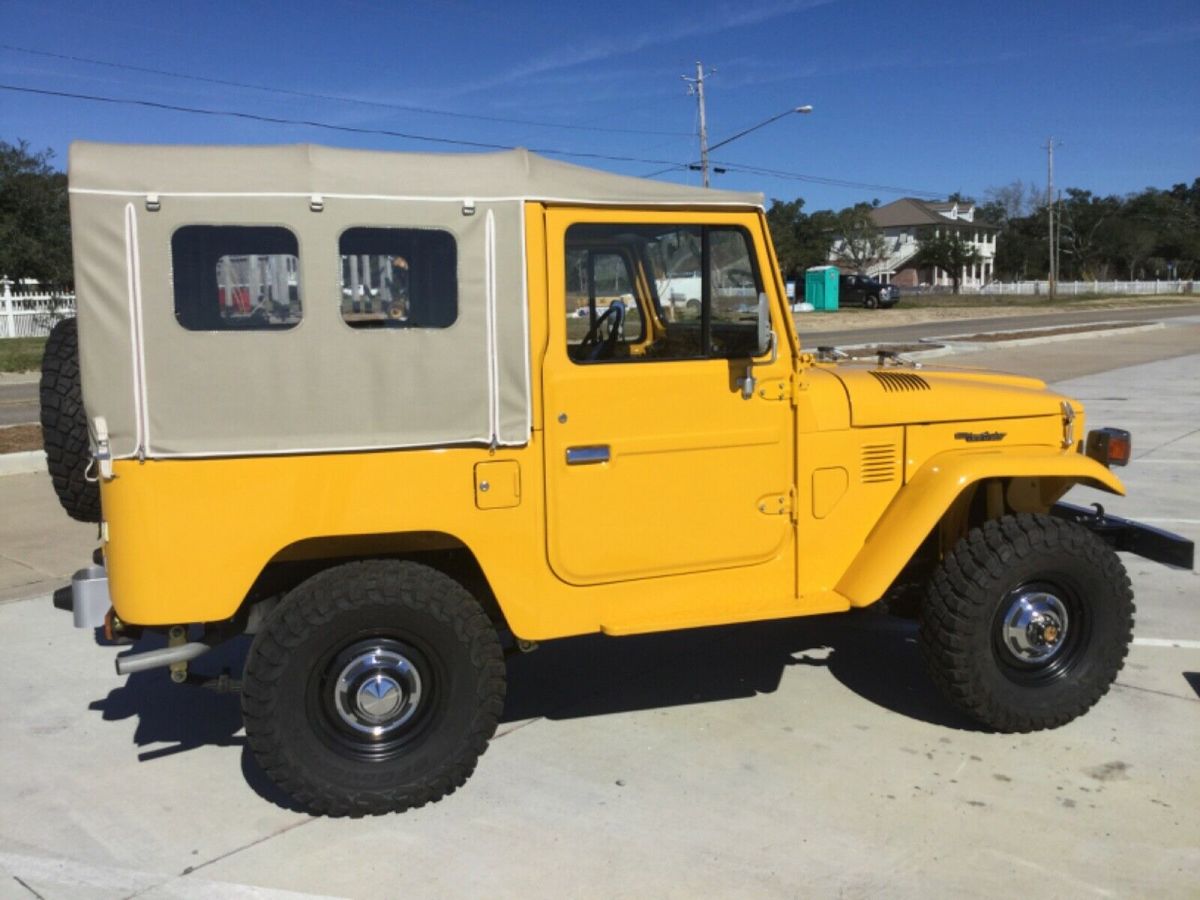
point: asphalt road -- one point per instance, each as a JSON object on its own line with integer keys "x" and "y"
{"x": 18, "y": 403}
{"x": 907, "y": 333}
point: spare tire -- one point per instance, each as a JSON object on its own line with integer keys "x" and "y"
{"x": 65, "y": 426}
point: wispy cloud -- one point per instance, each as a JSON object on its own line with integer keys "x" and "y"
{"x": 723, "y": 19}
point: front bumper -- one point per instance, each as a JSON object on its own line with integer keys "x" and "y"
{"x": 1153, "y": 543}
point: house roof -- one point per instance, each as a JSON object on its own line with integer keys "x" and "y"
{"x": 911, "y": 211}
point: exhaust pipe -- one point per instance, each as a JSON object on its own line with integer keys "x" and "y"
{"x": 153, "y": 659}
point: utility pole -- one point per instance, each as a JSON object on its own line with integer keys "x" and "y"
{"x": 1053, "y": 252}
{"x": 1058, "y": 217}
{"x": 696, "y": 86}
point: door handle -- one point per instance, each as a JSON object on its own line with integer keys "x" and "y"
{"x": 584, "y": 456}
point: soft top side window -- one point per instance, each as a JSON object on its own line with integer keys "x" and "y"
{"x": 236, "y": 278}
{"x": 398, "y": 278}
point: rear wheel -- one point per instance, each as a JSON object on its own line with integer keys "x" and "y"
{"x": 1027, "y": 622}
{"x": 65, "y": 426}
{"x": 373, "y": 688}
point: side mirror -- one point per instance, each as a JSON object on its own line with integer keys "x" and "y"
{"x": 766, "y": 337}
{"x": 765, "y": 344}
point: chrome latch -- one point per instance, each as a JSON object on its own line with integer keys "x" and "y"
{"x": 748, "y": 383}
{"x": 1068, "y": 415}
{"x": 102, "y": 459}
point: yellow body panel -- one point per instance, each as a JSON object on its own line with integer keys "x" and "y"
{"x": 711, "y": 508}
{"x": 932, "y": 490}
{"x": 691, "y": 462}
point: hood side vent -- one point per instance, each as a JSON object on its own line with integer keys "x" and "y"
{"x": 878, "y": 463}
{"x": 898, "y": 382}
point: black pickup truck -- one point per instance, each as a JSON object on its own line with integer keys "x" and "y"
{"x": 859, "y": 290}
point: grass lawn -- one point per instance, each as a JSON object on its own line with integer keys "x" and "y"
{"x": 21, "y": 354}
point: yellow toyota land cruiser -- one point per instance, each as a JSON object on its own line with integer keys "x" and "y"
{"x": 395, "y": 414}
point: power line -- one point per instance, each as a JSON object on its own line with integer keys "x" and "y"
{"x": 797, "y": 176}
{"x": 832, "y": 182}
{"x": 328, "y": 126}
{"x": 477, "y": 145}
{"x": 379, "y": 104}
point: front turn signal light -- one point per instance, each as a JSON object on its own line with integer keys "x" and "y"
{"x": 1110, "y": 446}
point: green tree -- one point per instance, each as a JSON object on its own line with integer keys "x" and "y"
{"x": 786, "y": 220}
{"x": 1013, "y": 208}
{"x": 35, "y": 230}
{"x": 801, "y": 240}
{"x": 1084, "y": 218}
{"x": 946, "y": 249}
{"x": 859, "y": 244}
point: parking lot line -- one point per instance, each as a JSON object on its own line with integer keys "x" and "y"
{"x": 1166, "y": 642}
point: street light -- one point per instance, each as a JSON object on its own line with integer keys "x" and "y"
{"x": 696, "y": 87}
{"x": 705, "y": 148}
{"x": 803, "y": 110}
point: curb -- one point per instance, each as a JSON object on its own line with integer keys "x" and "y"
{"x": 954, "y": 343}
{"x": 1103, "y": 329}
{"x": 25, "y": 463}
{"x": 20, "y": 377}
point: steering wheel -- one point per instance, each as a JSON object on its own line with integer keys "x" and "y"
{"x": 603, "y": 348}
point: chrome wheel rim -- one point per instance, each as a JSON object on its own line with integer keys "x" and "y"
{"x": 377, "y": 688}
{"x": 1034, "y": 627}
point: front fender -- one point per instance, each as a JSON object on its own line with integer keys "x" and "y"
{"x": 922, "y": 502}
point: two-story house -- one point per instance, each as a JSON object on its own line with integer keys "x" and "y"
{"x": 904, "y": 221}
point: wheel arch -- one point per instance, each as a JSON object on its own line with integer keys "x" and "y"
{"x": 302, "y": 559}
{"x": 943, "y": 498}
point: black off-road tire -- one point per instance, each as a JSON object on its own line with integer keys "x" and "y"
{"x": 870, "y": 301}
{"x": 294, "y": 726}
{"x": 962, "y": 636}
{"x": 64, "y": 424}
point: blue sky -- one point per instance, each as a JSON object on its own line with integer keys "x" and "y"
{"x": 929, "y": 95}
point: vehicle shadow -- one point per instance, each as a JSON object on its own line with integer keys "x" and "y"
{"x": 873, "y": 655}
{"x": 1193, "y": 680}
{"x": 179, "y": 717}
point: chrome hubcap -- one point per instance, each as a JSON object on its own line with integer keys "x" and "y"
{"x": 377, "y": 689}
{"x": 1034, "y": 626}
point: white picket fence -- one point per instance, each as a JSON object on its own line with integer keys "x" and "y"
{"x": 1075, "y": 288}
{"x": 24, "y": 314}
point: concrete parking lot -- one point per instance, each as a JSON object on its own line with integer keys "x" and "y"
{"x": 797, "y": 758}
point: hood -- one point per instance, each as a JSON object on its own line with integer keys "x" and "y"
{"x": 896, "y": 396}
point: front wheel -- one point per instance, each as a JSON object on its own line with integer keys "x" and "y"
{"x": 373, "y": 687}
{"x": 870, "y": 301}
{"x": 1027, "y": 622}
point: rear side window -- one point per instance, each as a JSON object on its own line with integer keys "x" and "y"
{"x": 398, "y": 278}
{"x": 236, "y": 278}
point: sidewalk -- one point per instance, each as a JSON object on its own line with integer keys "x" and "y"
{"x": 40, "y": 545}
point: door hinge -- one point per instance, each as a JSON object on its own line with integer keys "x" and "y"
{"x": 779, "y": 504}
{"x": 776, "y": 389}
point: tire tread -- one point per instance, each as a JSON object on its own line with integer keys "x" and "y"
{"x": 315, "y": 604}
{"x": 963, "y": 588}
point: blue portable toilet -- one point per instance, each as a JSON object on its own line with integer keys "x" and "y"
{"x": 821, "y": 287}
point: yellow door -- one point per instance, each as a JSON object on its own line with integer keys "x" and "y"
{"x": 656, "y": 462}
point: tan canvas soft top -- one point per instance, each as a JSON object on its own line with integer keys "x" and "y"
{"x": 163, "y": 390}
{"x": 311, "y": 168}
